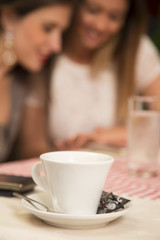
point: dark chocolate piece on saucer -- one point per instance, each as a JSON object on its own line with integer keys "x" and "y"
{"x": 111, "y": 203}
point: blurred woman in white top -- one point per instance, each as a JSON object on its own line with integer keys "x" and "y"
{"x": 106, "y": 58}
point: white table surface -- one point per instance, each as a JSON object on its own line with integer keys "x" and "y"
{"x": 142, "y": 222}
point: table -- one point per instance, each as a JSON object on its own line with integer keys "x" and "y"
{"x": 141, "y": 222}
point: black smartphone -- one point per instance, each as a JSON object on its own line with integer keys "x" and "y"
{"x": 14, "y": 183}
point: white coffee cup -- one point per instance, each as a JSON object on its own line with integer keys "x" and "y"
{"x": 75, "y": 179}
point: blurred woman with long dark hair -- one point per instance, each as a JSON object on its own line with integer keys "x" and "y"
{"x": 30, "y": 32}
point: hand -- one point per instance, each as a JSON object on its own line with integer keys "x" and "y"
{"x": 116, "y": 136}
{"x": 74, "y": 143}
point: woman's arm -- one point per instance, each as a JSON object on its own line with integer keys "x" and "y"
{"x": 33, "y": 133}
{"x": 32, "y": 138}
{"x": 153, "y": 89}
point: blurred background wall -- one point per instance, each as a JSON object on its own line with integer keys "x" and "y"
{"x": 154, "y": 21}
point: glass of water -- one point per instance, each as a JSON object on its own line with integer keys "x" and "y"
{"x": 143, "y": 135}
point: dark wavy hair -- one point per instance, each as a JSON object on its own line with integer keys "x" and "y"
{"x": 24, "y": 7}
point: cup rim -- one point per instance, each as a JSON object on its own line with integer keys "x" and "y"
{"x": 105, "y": 157}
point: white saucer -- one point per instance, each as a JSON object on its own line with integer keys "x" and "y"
{"x": 66, "y": 220}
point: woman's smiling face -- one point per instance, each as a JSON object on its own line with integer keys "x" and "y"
{"x": 38, "y": 35}
{"x": 99, "y": 20}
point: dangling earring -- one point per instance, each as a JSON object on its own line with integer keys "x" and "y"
{"x": 9, "y": 56}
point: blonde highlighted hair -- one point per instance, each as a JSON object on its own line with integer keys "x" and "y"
{"x": 122, "y": 51}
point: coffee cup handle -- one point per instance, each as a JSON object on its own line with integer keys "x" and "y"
{"x": 37, "y": 176}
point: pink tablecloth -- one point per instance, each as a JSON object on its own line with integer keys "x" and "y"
{"x": 118, "y": 181}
